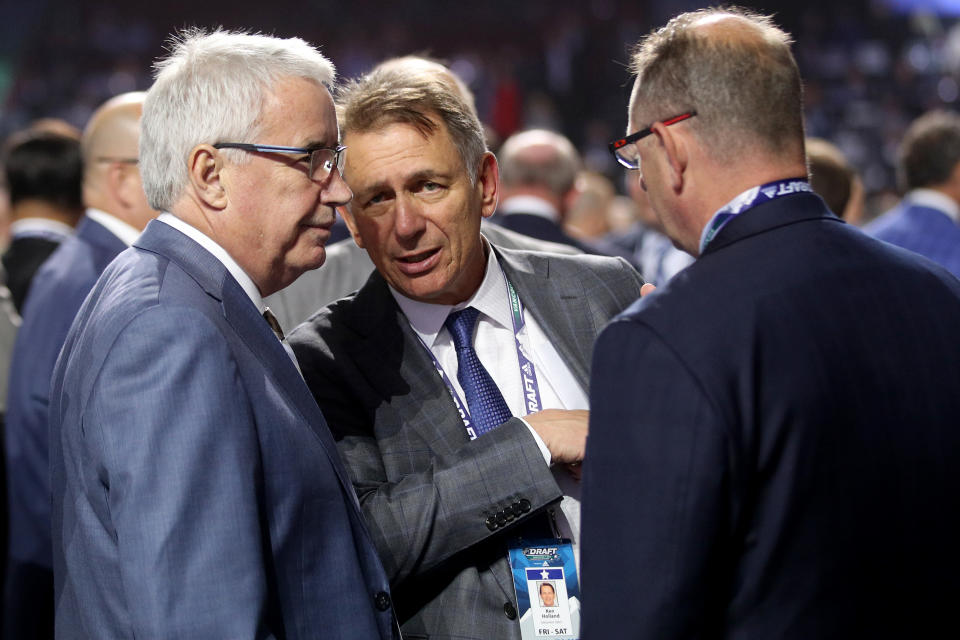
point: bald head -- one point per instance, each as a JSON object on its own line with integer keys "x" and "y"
{"x": 538, "y": 159}
{"x": 110, "y": 149}
{"x": 113, "y": 130}
{"x": 735, "y": 70}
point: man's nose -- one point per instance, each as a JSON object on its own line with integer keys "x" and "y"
{"x": 336, "y": 192}
{"x": 409, "y": 219}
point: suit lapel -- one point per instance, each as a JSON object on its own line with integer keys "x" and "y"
{"x": 242, "y": 315}
{"x": 560, "y": 305}
{"x": 397, "y": 366}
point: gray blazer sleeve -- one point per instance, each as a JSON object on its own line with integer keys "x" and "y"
{"x": 427, "y": 492}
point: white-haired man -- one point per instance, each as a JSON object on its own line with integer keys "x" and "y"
{"x": 197, "y": 491}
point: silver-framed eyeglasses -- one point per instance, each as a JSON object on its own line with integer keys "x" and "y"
{"x": 322, "y": 159}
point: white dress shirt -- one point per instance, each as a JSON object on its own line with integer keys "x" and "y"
{"x": 218, "y": 252}
{"x": 125, "y": 232}
{"x": 40, "y": 228}
{"x": 935, "y": 200}
{"x": 529, "y": 205}
{"x": 495, "y": 346}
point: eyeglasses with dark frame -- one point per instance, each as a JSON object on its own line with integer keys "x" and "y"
{"x": 322, "y": 159}
{"x": 625, "y": 149}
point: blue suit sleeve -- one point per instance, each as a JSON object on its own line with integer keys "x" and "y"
{"x": 656, "y": 493}
{"x": 171, "y": 423}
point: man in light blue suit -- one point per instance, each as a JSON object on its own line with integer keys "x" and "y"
{"x": 928, "y": 220}
{"x": 197, "y": 490}
{"x": 117, "y": 211}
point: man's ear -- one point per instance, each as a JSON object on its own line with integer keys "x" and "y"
{"x": 115, "y": 175}
{"x": 205, "y": 173}
{"x": 125, "y": 184}
{"x": 675, "y": 150}
{"x": 347, "y": 215}
{"x": 488, "y": 181}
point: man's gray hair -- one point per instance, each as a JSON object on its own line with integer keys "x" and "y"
{"x": 212, "y": 88}
{"x": 738, "y": 76}
{"x": 538, "y": 157}
{"x": 408, "y": 91}
{"x": 930, "y": 150}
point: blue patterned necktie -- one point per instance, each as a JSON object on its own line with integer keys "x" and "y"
{"x": 487, "y": 407}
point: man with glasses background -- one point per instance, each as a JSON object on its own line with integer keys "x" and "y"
{"x": 197, "y": 491}
{"x": 784, "y": 410}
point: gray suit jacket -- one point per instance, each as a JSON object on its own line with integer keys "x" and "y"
{"x": 348, "y": 266}
{"x": 431, "y": 497}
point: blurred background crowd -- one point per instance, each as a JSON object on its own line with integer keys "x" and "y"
{"x": 870, "y": 66}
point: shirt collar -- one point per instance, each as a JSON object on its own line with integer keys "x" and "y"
{"x": 127, "y": 233}
{"x": 490, "y": 299}
{"x": 531, "y": 205}
{"x": 935, "y": 200}
{"x": 245, "y": 281}
{"x": 43, "y": 226}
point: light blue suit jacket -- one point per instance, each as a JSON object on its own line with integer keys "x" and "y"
{"x": 197, "y": 490}
{"x": 924, "y": 230}
{"x": 56, "y": 293}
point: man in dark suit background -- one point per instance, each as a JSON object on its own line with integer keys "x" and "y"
{"x": 773, "y": 445}
{"x": 928, "y": 220}
{"x": 44, "y": 173}
{"x": 197, "y": 491}
{"x": 117, "y": 211}
{"x": 444, "y": 491}
{"x": 538, "y": 171}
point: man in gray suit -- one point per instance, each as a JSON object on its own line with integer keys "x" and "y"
{"x": 347, "y": 266}
{"x": 422, "y": 404}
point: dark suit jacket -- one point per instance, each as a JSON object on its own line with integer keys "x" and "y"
{"x": 541, "y": 228}
{"x": 431, "y": 496}
{"x": 197, "y": 492}
{"x": 58, "y": 290}
{"x": 924, "y": 230}
{"x": 773, "y": 448}
{"x": 21, "y": 260}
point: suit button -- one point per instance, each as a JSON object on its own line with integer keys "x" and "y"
{"x": 516, "y": 510}
{"x": 509, "y": 610}
{"x": 501, "y": 518}
{"x": 382, "y": 601}
{"x": 525, "y": 505}
{"x": 491, "y": 523}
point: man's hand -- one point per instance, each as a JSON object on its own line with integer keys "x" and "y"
{"x": 563, "y": 431}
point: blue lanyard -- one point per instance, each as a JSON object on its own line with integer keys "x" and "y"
{"x": 748, "y": 200}
{"x": 528, "y": 372}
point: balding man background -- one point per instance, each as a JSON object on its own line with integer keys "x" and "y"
{"x": 117, "y": 211}
{"x": 538, "y": 171}
{"x": 762, "y": 463}
{"x": 928, "y": 220}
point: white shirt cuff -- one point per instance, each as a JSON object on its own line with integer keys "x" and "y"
{"x": 540, "y": 443}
